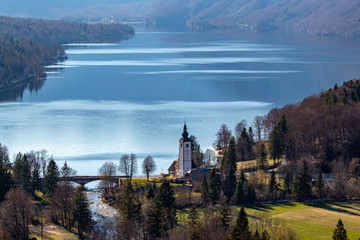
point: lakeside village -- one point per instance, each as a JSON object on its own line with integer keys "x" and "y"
{"x": 269, "y": 188}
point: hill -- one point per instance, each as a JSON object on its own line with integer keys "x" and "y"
{"x": 27, "y": 45}
{"x": 323, "y": 127}
{"x": 322, "y": 17}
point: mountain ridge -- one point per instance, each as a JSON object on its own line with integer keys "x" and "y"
{"x": 322, "y": 17}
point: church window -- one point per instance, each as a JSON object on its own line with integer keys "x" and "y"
{"x": 187, "y": 145}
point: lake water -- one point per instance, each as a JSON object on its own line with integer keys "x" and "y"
{"x": 133, "y": 97}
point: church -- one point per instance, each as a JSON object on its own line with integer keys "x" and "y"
{"x": 180, "y": 167}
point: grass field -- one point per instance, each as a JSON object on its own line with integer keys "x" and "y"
{"x": 251, "y": 164}
{"x": 313, "y": 221}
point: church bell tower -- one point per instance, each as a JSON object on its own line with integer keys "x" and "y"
{"x": 184, "y": 153}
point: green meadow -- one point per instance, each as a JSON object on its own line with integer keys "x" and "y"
{"x": 313, "y": 221}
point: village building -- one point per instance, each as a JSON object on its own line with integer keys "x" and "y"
{"x": 180, "y": 167}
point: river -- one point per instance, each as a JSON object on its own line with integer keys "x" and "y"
{"x": 133, "y": 97}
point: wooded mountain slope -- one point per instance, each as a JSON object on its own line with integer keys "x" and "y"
{"x": 324, "y": 127}
{"x": 27, "y": 45}
{"x": 325, "y": 17}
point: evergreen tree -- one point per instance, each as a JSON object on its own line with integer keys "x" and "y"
{"x": 204, "y": 190}
{"x": 194, "y": 236}
{"x": 242, "y": 177}
{"x": 129, "y": 207}
{"x": 196, "y": 153}
{"x": 262, "y": 162}
{"x": 251, "y": 136}
{"x": 193, "y": 216}
{"x": 319, "y": 185}
{"x": 51, "y": 177}
{"x": 150, "y": 193}
{"x": 265, "y": 235}
{"x": 250, "y": 193}
{"x": 340, "y": 232}
{"x": 22, "y": 173}
{"x": 273, "y": 184}
{"x": 224, "y": 215}
{"x": 277, "y": 139}
{"x": 214, "y": 187}
{"x": 288, "y": 181}
{"x": 241, "y": 230}
{"x": 239, "y": 193}
{"x": 35, "y": 180}
{"x": 167, "y": 200}
{"x": 229, "y": 169}
{"x": 5, "y": 173}
{"x": 80, "y": 212}
{"x": 154, "y": 225}
{"x": 256, "y": 235}
{"x": 302, "y": 183}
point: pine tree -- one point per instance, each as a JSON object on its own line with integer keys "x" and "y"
{"x": 154, "y": 225}
{"x": 229, "y": 169}
{"x": 22, "y": 173}
{"x": 194, "y": 236}
{"x": 273, "y": 184}
{"x": 239, "y": 193}
{"x": 129, "y": 205}
{"x": 150, "y": 193}
{"x": 167, "y": 199}
{"x": 80, "y": 212}
{"x": 250, "y": 193}
{"x": 265, "y": 235}
{"x": 262, "y": 162}
{"x": 256, "y": 235}
{"x": 5, "y": 173}
{"x": 193, "y": 216}
{"x": 51, "y": 177}
{"x": 204, "y": 190}
{"x": 224, "y": 215}
{"x": 277, "y": 139}
{"x": 301, "y": 183}
{"x": 241, "y": 230}
{"x": 340, "y": 232}
{"x": 214, "y": 187}
{"x": 319, "y": 185}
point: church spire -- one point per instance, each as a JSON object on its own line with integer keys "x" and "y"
{"x": 185, "y": 134}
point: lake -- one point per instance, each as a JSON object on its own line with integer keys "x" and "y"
{"x": 110, "y": 99}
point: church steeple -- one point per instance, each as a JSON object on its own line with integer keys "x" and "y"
{"x": 185, "y": 134}
{"x": 184, "y": 153}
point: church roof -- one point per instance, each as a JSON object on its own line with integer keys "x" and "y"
{"x": 185, "y": 135}
{"x": 172, "y": 167}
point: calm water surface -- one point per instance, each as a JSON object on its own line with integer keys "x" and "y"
{"x": 133, "y": 97}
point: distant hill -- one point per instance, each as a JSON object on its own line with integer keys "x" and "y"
{"x": 323, "y": 17}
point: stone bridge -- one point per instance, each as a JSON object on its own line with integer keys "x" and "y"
{"x": 82, "y": 180}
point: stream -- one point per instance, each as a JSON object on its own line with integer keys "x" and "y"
{"x": 104, "y": 216}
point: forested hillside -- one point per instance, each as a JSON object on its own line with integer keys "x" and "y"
{"x": 322, "y": 17}
{"x": 27, "y": 45}
{"x": 323, "y": 127}
{"x": 62, "y": 32}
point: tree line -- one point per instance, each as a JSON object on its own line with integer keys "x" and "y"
{"x": 27, "y": 45}
{"x": 22, "y": 183}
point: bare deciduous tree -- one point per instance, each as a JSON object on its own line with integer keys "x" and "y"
{"x": 133, "y": 165}
{"x": 124, "y": 165}
{"x": 239, "y": 128}
{"x": 61, "y": 204}
{"x": 259, "y": 126}
{"x": 223, "y": 137}
{"x": 210, "y": 157}
{"x": 107, "y": 174}
{"x": 16, "y": 213}
{"x": 148, "y": 166}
